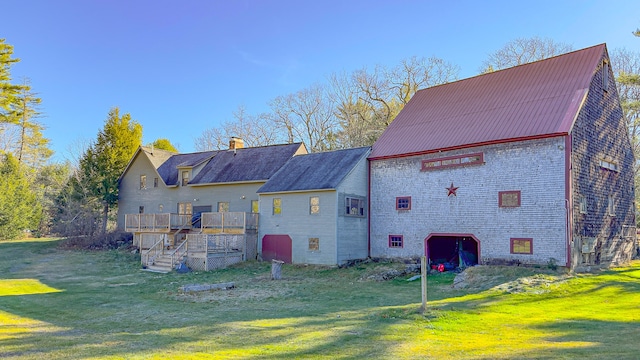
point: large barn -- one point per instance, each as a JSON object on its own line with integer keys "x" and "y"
{"x": 530, "y": 164}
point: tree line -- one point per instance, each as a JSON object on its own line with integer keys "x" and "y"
{"x": 348, "y": 110}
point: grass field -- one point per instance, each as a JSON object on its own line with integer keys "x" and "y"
{"x": 60, "y": 304}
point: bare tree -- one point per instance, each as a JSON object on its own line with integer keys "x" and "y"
{"x": 523, "y": 50}
{"x": 254, "y": 130}
{"x": 307, "y": 116}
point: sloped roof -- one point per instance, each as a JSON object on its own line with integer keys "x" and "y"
{"x": 156, "y": 157}
{"x": 169, "y": 168}
{"x": 534, "y": 100}
{"x": 245, "y": 164}
{"x": 316, "y": 171}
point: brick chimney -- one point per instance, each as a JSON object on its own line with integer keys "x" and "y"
{"x": 236, "y": 143}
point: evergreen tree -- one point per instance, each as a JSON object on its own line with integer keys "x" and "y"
{"x": 19, "y": 208}
{"x": 103, "y": 163}
{"x": 8, "y": 91}
{"x": 164, "y": 144}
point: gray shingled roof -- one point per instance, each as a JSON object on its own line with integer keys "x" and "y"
{"x": 316, "y": 171}
{"x": 169, "y": 169}
{"x": 245, "y": 164}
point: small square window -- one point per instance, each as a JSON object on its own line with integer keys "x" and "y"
{"x": 155, "y": 182}
{"x": 403, "y": 203}
{"x": 223, "y": 206}
{"x": 277, "y": 206}
{"x": 141, "y": 209}
{"x": 255, "y": 206}
{"x": 143, "y": 182}
{"x": 396, "y": 241}
{"x": 314, "y": 205}
{"x": 314, "y": 244}
{"x": 509, "y": 198}
{"x": 521, "y": 246}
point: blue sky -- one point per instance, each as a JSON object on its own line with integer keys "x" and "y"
{"x": 179, "y": 67}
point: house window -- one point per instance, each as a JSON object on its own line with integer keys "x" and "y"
{"x": 277, "y": 206}
{"x": 521, "y": 246}
{"x": 583, "y": 204}
{"x": 609, "y": 165}
{"x": 396, "y": 241}
{"x": 155, "y": 182}
{"x": 314, "y": 205}
{"x": 314, "y": 244}
{"x": 185, "y": 208}
{"x": 141, "y": 210}
{"x": 185, "y": 178}
{"x": 611, "y": 205}
{"x": 403, "y": 203}
{"x": 143, "y": 182}
{"x": 223, "y": 206}
{"x": 453, "y": 161}
{"x": 354, "y": 206}
{"x": 255, "y": 208}
{"x": 509, "y": 198}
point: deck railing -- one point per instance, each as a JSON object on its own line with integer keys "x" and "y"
{"x": 229, "y": 222}
{"x": 148, "y": 256}
{"x": 210, "y": 243}
{"x": 164, "y": 222}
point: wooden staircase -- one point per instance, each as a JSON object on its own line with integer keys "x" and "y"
{"x": 165, "y": 260}
{"x": 161, "y": 264}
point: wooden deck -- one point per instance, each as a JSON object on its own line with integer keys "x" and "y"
{"x": 211, "y": 223}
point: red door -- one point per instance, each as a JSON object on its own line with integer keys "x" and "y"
{"x": 276, "y": 247}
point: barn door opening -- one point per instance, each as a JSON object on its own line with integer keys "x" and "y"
{"x": 453, "y": 251}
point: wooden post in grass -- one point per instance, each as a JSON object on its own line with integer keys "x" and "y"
{"x": 423, "y": 271}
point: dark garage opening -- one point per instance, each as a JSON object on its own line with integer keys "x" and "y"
{"x": 453, "y": 252}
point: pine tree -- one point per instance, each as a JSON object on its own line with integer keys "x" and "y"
{"x": 19, "y": 208}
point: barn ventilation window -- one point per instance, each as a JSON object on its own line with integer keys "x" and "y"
{"x": 611, "y": 205}
{"x": 314, "y": 205}
{"x": 609, "y": 165}
{"x": 143, "y": 182}
{"x": 583, "y": 204}
{"x": 396, "y": 241}
{"x": 605, "y": 75}
{"x": 452, "y": 161}
{"x": 521, "y": 246}
{"x": 277, "y": 206}
{"x": 155, "y": 182}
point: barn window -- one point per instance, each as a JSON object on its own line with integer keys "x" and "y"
{"x": 583, "y": 204}
{"x": 521, "y": 246}
{"x": 141, "y": 209}
{"x": 223, "y": 206}
{"x": 354, "y": 206}
{"x": 314, "y": 244}
{"x": 314, "y": 205}
{"x": 155, "y": 182}
{"x": 605, "y": 75}
{"x": 255, "y": 208}
{"x": 143, "y": 182}
{"x": 452, "y": 161}
{"x": 609, "y": 165}
{"x": 403, "y": 203}
{"x": 277, "y": 206}
{"x": 509, "y": 198}
{"x": 396, "y": 241}
{"x": 611, "y": 205}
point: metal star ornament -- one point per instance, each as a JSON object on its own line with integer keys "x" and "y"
{"x": 452, "y": 190}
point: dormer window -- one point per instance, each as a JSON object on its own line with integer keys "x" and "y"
{"x": 185, "y": 177}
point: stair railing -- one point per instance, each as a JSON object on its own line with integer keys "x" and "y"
{"x": 179, "y": 253}
{"x": 148, "y": 256}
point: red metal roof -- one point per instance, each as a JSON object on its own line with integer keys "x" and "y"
{"x": 534, "y": 100}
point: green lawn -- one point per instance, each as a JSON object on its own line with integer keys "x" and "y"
{"x": 60, "y": 304}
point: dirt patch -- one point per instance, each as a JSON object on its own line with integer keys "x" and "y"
{"x": 511, "y": 279}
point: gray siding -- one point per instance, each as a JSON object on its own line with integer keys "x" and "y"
{"x": 536, "y": 168}
{"x": 353, "y": 231}
{"x": 296, "y": 221}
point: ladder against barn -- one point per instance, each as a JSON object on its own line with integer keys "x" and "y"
{"x": 209, "y": 241}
